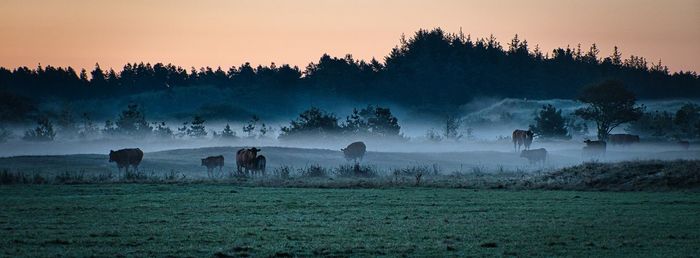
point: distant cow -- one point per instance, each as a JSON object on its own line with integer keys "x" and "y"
{"x": 623, "y": 139}
{"x": 245, "y": 159}
{"x": 126, "y": 157}
{"x": 212, "y": 162}
{"x": 355, "y": 151}
{"x": 259, "y": 165}
{"x": 534, "y": 156}
{"x": 522, "y": 137}
{"x": 594, "y": 148}
{"x": 685, "y": 145}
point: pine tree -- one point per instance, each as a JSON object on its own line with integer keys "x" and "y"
{"x": 197, "y": 129}
{"x": 227, "y": 132}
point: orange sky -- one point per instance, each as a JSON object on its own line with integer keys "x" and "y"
{"x": 224, "y": 33}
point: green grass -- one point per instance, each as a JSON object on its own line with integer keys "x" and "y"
{"x": 202, "y": 220}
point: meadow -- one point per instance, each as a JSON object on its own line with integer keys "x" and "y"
{"x": 221, "y": 220}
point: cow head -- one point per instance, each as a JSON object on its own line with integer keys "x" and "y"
{"x": 530, "y": 133}
{"x": 111, "y": 155}
{"x": 254, "y": 151}
{"x": 343, "y": 149}
{"x": 204, "y": 162}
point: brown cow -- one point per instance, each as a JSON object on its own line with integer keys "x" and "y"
{"x": 212, "y": 162}
{"x": 534, "y": 156}
{"x": 522, "y": 137}
{"x": 259, "y": 165}
{"x": 594, "y": 148}
{"x": 355, "y": 151}
{"x": 245, "y": 158}
{"x": 623, "y": 139}
{"x": 126, "y": 157}
{"x": 685, "y": 145}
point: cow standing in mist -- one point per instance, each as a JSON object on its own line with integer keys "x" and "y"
{"x": 125, "y": 158}
{"x": 355, "y": 151}
{"x": 522, "y": 137}
{"x": 213, "y": 162}
{"x": 594, "y": 148}
{"x": 534, "y": 156}
{"x": 245, "y": 159}
{"x": 623, "y": 139}
{"x": 685, "y": 145}
{"x": 259, "y": 165}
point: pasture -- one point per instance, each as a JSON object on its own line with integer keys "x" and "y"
{"x": 203, "y": 220}
{"x": 188, "y": 161}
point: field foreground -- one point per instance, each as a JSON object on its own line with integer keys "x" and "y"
{"x": 221, "y": 220}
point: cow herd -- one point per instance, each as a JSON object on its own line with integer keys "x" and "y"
{"x": 249, "y": 163}
{"x": 592, "y": 149}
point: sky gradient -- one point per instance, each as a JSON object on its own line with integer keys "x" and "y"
{"x": 214, "y": 33}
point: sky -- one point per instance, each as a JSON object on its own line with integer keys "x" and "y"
{"x": 80, "y": 33}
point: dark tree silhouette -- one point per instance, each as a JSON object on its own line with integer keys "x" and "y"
{"x": 43, "y": 132}
{"x": 132, "y": 122}
{"x": 610, "y": 104}
{"x": 197, "y": 128}
{"x": 549, "y": 123}
{"x": 432, "y": 70}
{"x": 313, "y": 121}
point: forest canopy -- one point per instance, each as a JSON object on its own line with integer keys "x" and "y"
{"x": 432, "y": 68}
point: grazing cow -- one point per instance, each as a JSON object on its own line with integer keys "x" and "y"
{"x": 259, "y": 165}
{"x": 126, "y": 157}
{"x": 355, "y": 151}
{"x": 212, "y": 162}
{"x": 594, "y": 148}
{"x": 522, "y": 137}
{"x": 623, "y": 139}
{"x": 245, "y": 158}
{"x": 534, "y": 156}
{"x": 685, "y": 145}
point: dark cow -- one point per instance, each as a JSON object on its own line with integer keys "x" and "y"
{"x": 126, "y": 157}
{"x": 594, "y": 148}
{"x": 213, "y": 162}
{"x": 522, "y": 137}
{"x": 259, "y": 165}
{"x": 355, "y": 151}
{"x": 685, "y": 145}
{"x": 534, "y": 156}
{"x": 245, "y": 158}
{"x": 623, "y": 139}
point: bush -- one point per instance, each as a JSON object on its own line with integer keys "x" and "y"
{"x": 282, "y": 172}
{"x": 5, "y": 134}
{"x": 372, "y": 120}
{"x": 131, "y": 121}
{"x": 162, "y": 130}
{"x": 312, "y": 122}
{"x": 314, "y": 171}
{"x": 355, "y": 170}
{"x": 549, "y": 123}
{"x": 43, "y": 132}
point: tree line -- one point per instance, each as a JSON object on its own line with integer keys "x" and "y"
{"x": 432, "y": 68}
{"x": 370, "y": 121}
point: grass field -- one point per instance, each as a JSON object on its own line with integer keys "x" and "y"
{"x": 204, "y": 220}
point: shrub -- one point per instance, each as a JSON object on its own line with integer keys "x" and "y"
{"x": 355, "y": 170}
{"x": 314, "y": 171}
{"x": 313, "y": 121}
{"x": 282, "y": 172}
{"x": 549, "y": 123}
{"x": 132, "y": 121}
{"x": 5, "y": 134}
{"x": 43, "y": 132}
